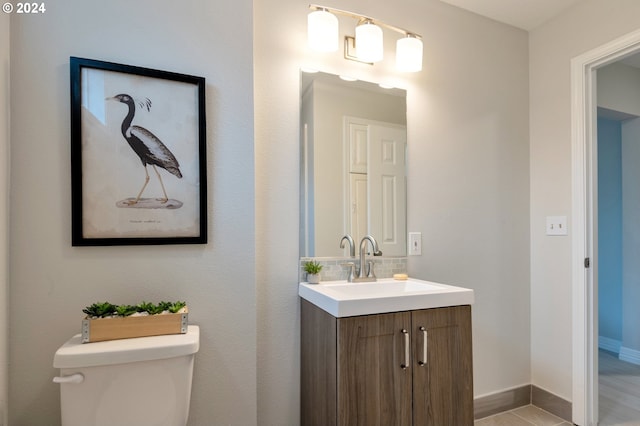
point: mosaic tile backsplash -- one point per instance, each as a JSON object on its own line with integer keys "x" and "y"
{"x": 333, "y": 268}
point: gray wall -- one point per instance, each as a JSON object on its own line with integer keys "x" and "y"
{"x": 630, "y": 241}
{"x": 619, "y": 88}
{"x": 51, "y": 281}
{"x": 467, "y": 180}
{"x": 551, "y": 48}
{"x": 610, "y": 233}
{"x": 468, "y": 185}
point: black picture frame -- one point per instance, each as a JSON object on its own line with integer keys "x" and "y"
{"x": 116, "y": 112}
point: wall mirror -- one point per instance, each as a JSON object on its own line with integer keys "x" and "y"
{"x": 353, "y": 150}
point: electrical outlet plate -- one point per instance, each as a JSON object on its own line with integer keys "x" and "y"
{"x": 557, "y": 225}
{"x": 415, "y": 243}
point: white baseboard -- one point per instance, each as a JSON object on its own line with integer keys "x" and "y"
{"x": 629, "y": 355}
{"x": 611, "y": 345}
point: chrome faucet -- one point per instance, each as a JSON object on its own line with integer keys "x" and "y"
{"x": 352, "y": 246}
{"x": 363, "y": 276}
{"x": 352, "y": 253}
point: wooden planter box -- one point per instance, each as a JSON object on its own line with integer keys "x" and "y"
{"x": 101, "y": 329}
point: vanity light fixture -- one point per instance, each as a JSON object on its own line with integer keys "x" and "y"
{"x": 322, "y": 30}
{"x": 369, "y": 41}
{"x": 323, "y": 36}
{"x": 409, "y": 54}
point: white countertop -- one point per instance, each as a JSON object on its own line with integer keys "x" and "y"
{"x": 344, "y": 299}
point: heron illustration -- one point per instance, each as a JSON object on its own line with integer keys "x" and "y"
{"x": 147, "y": 145}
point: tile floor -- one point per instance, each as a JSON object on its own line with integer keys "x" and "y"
{"x": 523, "y": 416}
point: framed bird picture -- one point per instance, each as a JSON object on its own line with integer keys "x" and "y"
{"x": 138, "y": 155}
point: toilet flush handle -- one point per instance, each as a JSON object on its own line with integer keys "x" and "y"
{"x": 74, "y": 378}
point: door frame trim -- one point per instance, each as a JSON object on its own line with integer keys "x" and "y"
{"x": 584, "y": 215}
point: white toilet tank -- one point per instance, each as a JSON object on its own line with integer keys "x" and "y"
{"x": 144, "y": 381}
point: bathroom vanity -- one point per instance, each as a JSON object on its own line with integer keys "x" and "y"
{"x": 395, "y": 367}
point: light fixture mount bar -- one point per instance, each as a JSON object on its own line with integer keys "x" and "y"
{"x": 350, "y": 50}
{"x": 360, "y": 18}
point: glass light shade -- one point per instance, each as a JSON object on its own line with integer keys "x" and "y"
{"x": 369, "y": 45}
{"x": 322, "y": 31}
{"x": 409, "y": 54}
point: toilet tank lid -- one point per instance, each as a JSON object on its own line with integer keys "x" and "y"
{"x": 75, "y": 354}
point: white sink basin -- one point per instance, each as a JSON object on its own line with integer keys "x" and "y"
{"x": 344, "y": 299}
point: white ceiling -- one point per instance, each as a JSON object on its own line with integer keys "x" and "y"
{"x": 524, "y": 14}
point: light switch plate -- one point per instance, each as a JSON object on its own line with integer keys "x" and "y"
{"x": 557, "y": 225}
{"x": 415, "y": 243}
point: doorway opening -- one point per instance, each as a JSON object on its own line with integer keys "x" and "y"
{"x": 618, "y": 227}
{"x": 585, "y": 221}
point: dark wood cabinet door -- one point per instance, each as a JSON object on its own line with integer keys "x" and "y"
{"x": 373, "y": 387}
{"x": 317, "y": 367}
{"x": 443, "y": 381}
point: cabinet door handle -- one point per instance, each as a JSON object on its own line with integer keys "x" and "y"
{"x": 423, "y": 361}
{"x": 405, "y": 365}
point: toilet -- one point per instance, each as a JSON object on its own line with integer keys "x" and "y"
{"x": 145, "y": 381}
